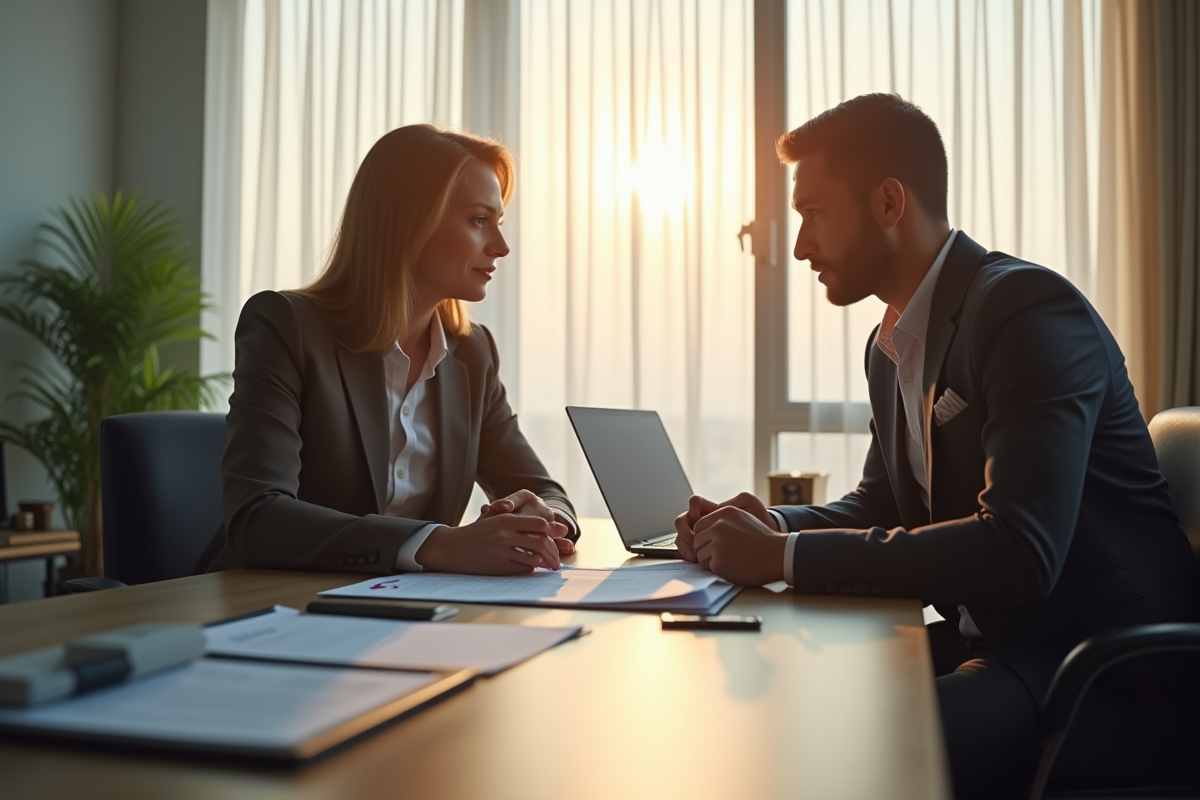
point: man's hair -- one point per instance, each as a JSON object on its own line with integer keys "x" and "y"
{"x": 872, "y": 137}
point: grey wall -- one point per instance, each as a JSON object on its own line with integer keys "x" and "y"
{"x": 94, "y": 95}
{"x": 57, "y": 91}
{"x": 160, "y": 116}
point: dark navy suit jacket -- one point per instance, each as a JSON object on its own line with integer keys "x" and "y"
{"x": 1048, "y": 518}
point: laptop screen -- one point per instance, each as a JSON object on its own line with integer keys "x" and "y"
{"x": 636, "y": 468}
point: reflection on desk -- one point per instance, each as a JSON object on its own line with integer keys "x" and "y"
{"x": 834, "y": 698}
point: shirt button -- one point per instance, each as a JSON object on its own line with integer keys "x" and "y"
{"x": 406, "y": 410}
{"x": 399, "y": 473}
{"x": 908, "y": 378}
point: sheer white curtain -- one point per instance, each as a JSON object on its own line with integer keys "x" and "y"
{"x": 632, "y": 122}
{"x": 297, "y": 92}
{"x": 1014, "y": 88}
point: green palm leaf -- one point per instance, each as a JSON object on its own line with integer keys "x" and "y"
{"x": 114, "y": 285}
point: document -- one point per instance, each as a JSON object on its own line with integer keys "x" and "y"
{"x": 671, "y": 586}
{"x": 287, "y": 635}
{"x": 240, "y": 706}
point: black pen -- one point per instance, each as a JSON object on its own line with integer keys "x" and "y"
{"x": 388, "y": 610}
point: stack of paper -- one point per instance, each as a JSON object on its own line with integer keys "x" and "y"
{"x": 285, "y": 634}
{"x": 672, "y": 586}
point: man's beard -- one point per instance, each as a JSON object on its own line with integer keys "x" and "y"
{"x": 865, "y": 264}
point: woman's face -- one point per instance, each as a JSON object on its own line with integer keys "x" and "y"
{"x": 458, "y": 260}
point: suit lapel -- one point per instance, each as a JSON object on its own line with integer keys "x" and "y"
{"x": 454, "y": 415}
{"x": 363, "y": 379}
{"x": 962, "y": 262}
{"x": 888, "y": 411}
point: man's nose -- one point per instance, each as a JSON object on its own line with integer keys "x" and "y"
{"x": 805, "y": 249}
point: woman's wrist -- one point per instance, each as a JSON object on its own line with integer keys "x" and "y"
{"x": 434, "y": 553}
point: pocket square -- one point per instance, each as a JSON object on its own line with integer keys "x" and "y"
{"x": 948, "y": 407}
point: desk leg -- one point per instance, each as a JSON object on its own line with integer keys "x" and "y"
{"x": 51, "y": 575}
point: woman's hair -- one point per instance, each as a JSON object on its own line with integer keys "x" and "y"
{"x": 396, "y": 202}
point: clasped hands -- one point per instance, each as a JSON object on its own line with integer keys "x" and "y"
{"x": 736, "y": 539}
{"x": 513, "y": 535}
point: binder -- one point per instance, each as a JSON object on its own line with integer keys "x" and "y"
{"x": 231, "y": 709}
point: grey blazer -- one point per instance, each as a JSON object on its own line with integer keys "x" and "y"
{"x": 306, "y": 458}
{"x": 1049, "y": 518}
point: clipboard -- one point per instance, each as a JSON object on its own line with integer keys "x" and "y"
{"x": 298, "y": 712}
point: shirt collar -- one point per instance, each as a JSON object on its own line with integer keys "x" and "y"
{"x": 915, "y": 319}
{"x": 439, "y": 348}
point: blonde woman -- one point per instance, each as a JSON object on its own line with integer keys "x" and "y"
{"x": 366, "y": 404}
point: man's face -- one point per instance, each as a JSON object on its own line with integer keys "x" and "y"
{"x": 838, "y": 236}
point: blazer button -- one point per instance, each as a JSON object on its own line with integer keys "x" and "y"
{"x": 371, "y": 559}
{"x": 360, "y": 560}
{"x": 860, "y": 587}
{"x": 876, "y": 588}
{"x": 830, "y": 586}
{"x": 845, "y": 588}
{"x": 340, "y": 561}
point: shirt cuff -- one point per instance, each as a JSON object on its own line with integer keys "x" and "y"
{"x": 780, "y": 523}
{"x": 789, "y": 558}
{"x": 406, "y": 559}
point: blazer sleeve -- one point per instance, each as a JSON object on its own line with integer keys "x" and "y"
{"x": 266, "y": 524}
{"x": 506, "y": 460}
{"x": 1044, "y": 372}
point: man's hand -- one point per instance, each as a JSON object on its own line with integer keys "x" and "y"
{"x": 524, "y": 501}
{"x": 699, "y": 507}
{"x": 739, "y": 547}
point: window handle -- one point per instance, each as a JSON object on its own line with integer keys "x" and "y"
{"x": 751, "y": 229}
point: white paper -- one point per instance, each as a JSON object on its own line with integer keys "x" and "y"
{"x": 229, "y": 703}
{"x": 288, "y": 635}
{"x": 670, "y": 586}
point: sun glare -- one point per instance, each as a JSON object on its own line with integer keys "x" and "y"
{"x": 661, "y": 179}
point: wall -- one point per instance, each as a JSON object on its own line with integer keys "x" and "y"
{"x": 160, "y": 117}
{"x": 94, "y": 95}
{"x": 57, "y": 90}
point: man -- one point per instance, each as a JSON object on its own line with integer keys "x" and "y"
{"x": 1010, "y": 479}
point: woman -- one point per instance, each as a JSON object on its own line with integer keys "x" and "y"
{"x": 365, "y": 405}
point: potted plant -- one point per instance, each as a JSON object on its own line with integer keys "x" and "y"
{"x": 118, "y": 286}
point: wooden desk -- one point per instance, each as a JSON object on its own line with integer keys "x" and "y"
{"x": 833, "y": 699}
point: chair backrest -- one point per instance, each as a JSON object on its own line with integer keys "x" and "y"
{"x": 160, "y": 481}
{"x": 1176, "y": 435}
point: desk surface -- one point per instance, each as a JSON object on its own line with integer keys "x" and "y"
{"x": 833, "y": 699}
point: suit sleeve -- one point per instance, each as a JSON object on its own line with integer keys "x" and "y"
{"x": 266, "y": 525}
{"x": 1044, "y": 374}
{"x": 506, "y": 460}
{"x": 872, "y": 502}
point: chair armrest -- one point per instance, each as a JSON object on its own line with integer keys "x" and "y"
{"x": 93, "y": 583}
{"x": 1087, "y": 662}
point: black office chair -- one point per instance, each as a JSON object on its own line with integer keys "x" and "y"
{"x": 1176, "y": 435}
{"x": 160, "y": 483}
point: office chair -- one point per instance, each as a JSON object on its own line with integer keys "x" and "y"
{"x": 160, "y": 484}
{"x": 1176, "y": 435}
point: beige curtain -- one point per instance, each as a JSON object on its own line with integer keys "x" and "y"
{"x": 1129, "y": 259}
{"x": 1177, "y": 25}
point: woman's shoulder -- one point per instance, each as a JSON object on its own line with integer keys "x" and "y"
{"x": 477, "y": 345}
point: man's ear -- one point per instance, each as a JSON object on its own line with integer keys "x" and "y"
{"x": 889, "y": 202}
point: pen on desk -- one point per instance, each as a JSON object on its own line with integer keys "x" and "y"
{"x": 386, "y": 610}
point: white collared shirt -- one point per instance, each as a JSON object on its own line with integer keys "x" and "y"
{"x": 901, "y": 337}
{"x": 412, "y": 465}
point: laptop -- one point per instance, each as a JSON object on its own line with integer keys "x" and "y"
{"x": 639, "y": 475}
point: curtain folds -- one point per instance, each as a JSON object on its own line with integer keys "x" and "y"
{"x": 1177, "y": 27}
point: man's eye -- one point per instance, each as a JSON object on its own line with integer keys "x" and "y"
{"x": 480, "y": 221}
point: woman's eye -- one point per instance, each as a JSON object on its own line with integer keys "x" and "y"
{"x": 480, "y": 221}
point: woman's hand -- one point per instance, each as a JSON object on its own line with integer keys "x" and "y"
{"x": 498, "y": 544}
{"x": 524, "y": 501}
